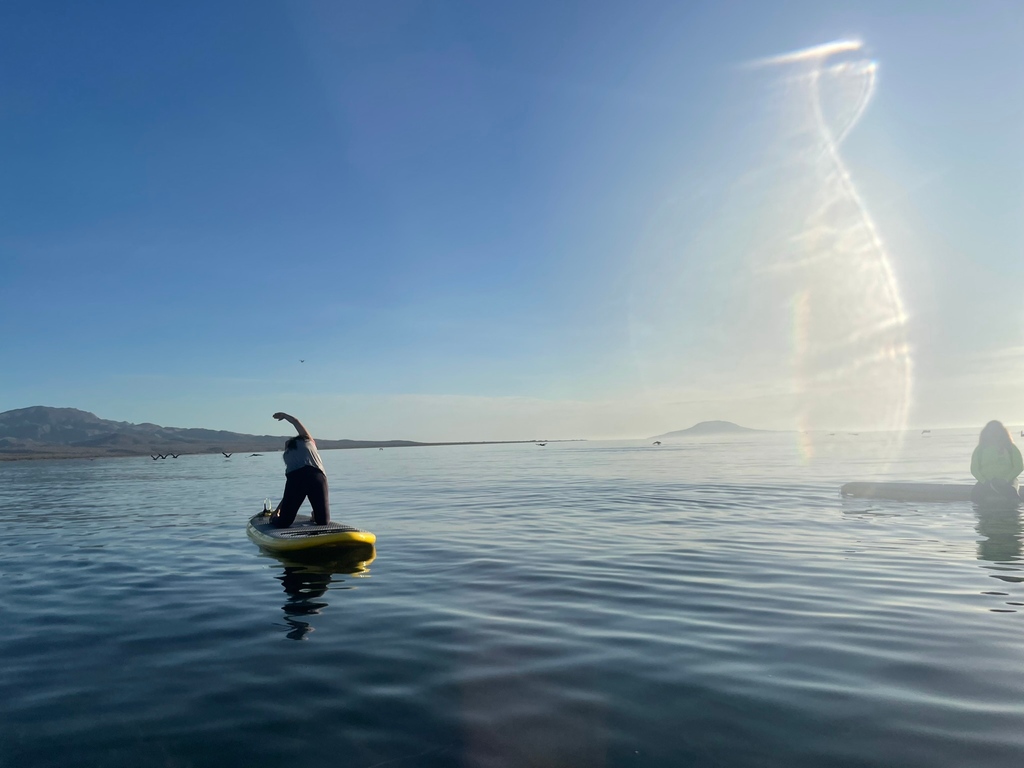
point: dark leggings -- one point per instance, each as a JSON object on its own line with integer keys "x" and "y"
{"x": 308, "y": 481}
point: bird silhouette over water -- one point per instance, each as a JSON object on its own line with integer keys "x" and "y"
{"x": 541, "y": 444}
{"x": 656, "y": 442}
{"x": 255, "y": 454}
{"x": 175, "y": 455}
{"x": 226, "y": 454}
{"x": 302, "y": 361}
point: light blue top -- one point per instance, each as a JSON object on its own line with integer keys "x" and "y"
{"x": 304, "y": 454}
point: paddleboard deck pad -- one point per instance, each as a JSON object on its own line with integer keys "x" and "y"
{"x": 304, "y": 534}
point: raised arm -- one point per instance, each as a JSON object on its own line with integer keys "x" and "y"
{"x": 303, "y": 432}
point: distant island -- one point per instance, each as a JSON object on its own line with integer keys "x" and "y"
{"x": 709, "y": 428}
{"x": 42, "y": 432}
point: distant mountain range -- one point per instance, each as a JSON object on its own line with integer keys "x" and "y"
{"x": 43, "y": 432}
{"x": 708, "y": 428}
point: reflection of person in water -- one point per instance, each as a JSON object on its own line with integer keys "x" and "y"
{"x": 306, "y": 584}
{"x": 1000, "y": 532}
{"x": 303, "y": 586}
{"x": 995, "y": 464}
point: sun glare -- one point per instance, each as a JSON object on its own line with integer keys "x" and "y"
{"x": 788, "y": 282}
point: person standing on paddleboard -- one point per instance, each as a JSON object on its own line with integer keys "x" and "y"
{"x": 304, "y": 478}
{"x": 995, "y": 464}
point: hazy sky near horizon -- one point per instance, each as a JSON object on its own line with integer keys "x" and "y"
{"x": 528, "y": 220}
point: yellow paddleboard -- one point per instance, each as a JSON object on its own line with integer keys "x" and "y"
{"x": 304, "y": 534}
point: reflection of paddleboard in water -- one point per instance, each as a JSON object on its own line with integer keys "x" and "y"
{"x": 304, "y": 534}
{"x": 307, "y": 577}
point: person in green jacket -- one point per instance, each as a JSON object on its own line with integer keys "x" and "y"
{"x": 995, "y": 464}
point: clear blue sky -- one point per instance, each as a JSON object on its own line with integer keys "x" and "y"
{"x": 508, "y": 221}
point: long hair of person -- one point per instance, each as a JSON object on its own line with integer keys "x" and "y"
{"x": 995, "y": 435}
{"x": 291, "y": 442}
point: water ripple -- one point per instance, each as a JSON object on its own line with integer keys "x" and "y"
{"x": 586, "y": 605}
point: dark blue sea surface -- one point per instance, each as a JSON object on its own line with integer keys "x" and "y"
{"x": 707, "y": 602}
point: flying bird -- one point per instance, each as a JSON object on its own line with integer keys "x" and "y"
{"x": 226, "y": 454}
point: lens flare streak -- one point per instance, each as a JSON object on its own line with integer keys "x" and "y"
{"x": 851, "y": 359}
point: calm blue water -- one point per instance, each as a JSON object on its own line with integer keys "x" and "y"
{"x": 583, "y": 604}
